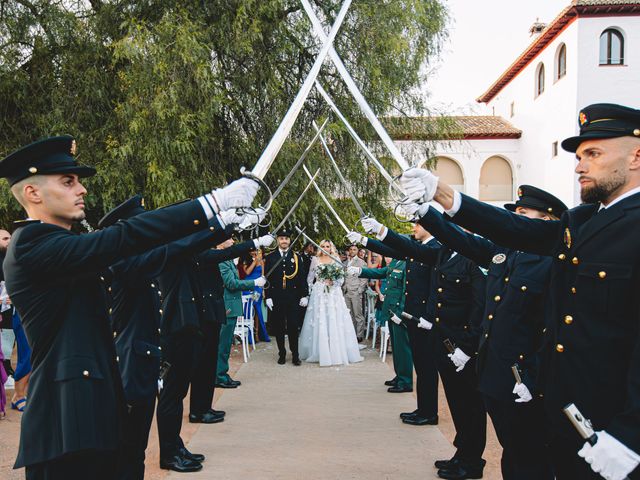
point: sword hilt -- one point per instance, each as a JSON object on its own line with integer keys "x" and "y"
{"x": 261, "y": 209}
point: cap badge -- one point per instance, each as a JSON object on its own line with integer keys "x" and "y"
{"x": 519, "y": 192}
{"x": 499, "y": 258}
{"x": 33, "y": 170}
{"x": 73, "y": 147}
{"x": 567, "y": 237}
{"x": 583, "y": 119}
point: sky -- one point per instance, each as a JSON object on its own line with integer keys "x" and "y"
{"x": 485, "y": 37}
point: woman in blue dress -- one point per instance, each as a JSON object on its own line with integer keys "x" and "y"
{"x": 252, "y": 266}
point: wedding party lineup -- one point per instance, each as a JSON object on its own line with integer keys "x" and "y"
{"x": 301, "y": 212}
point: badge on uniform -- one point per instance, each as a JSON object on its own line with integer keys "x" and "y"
{"x": 499, "y": 258}
{"x": 292, "y": 260}
{"x": 567, "y": 237}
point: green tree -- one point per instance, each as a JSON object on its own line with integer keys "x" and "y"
{"x": 170, "y": 98}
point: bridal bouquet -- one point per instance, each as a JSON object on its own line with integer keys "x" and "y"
{"x": 329, "y": 271}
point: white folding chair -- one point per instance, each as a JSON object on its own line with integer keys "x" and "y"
{"x": 384, "y": 341}
{"x": 249, "y": 313}
{"x": 241, "y": 331}
{"x": 371, "y": 313}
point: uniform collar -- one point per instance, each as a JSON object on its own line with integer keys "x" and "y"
{"x": 620, "y": 198}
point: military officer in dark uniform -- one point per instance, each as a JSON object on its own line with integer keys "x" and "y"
{"x": 287, "y": 292}
{"x": 454, "y": 313}
{"x": 594, "y": 301}
{"x": 417, "y": 293}
{"x": 512, "y": 334}
{"x": 70, "y": 429}
{"x": 211, "y": 288}
{"x": 135, "y": 318}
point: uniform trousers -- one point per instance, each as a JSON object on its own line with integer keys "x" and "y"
{"x": 203, "y": 382}
{"x": 467, "y": 409}
{"x": 285, "y": 319}
{"x": 424, "y": 361}
{"x": 224, "y": 350}
{"x": 402, "y": 358}
{"x": 567, "y": 464}
{"x": 182, "y": 351}
{"x": 96, "y": 465}
{"x": 136, "y": 427}
{"x": 520, "y": 428}
{"x": 354, "y": 304}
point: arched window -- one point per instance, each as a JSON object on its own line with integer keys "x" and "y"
{"x": 450, "y": 172}
{"x": 496, "y": 180}
{"x": 540, "y": 79}
{"x": 561, "y": 62}
{"x": 611, "y": 47}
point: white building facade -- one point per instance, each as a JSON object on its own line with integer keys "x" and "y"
{"x": 590, "y": 53}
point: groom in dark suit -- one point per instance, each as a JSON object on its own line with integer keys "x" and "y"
{"x": 287, "y": 292}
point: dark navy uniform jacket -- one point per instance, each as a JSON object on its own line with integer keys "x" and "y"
{"x": 137, "y": 309}
{"x": 513, "y": 320}
{"x": 290, "y": 290}
{"x": 53, "y": 278}
{"x": 418, "y": 275}
{"x": 211, "y": 286}
{"x": 595, "y": 307}
{"x": 457, "y": 303}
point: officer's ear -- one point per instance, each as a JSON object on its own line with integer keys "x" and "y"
{"x": 634, "y": 143}
{"x": 29, "y": 191}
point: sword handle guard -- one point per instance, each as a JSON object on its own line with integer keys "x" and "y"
{"x": 251, "y": 176}
{"x": 399, "y": 218}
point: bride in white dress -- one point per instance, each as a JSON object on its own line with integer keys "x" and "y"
{"x": 327, "y": 335}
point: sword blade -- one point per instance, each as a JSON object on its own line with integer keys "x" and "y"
{"x": 357, "y": 138}
{"x": 275, "y": 144}
{"x": 300, "y": 160}
{"x": 337, "y": 260}
{"x": 324, "y": 199}
{"x": 353, "y": 88}
{"x": 339, "y": 173}
{"x": 295, "y": 205}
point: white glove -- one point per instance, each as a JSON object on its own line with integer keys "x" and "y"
{"x": 269, "y": 303}
{"x": 355, "y": 237}
{"x": 609, "y": 457}
{"x": 371, "y": 225}
{"x": 396, "y": 319}
{"x": 264, "y": 241}
{"x": 422, "y": 323}
{"x": 354, "y": 271}
{"x": 523, "y": 392}
{"x": 230, "y": 216}
{"x": 416, "y": 209}
{"x": 420, "y": 185}
{"x": 304, "y": 301}
{"x": 459, "y": 359}
{"x": 260, "y": 282}
{"x": 252, "y": 218}
{"x": 237, "y": 194}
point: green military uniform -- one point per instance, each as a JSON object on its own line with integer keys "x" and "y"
{"x": 394, "y": 302}
{"x": 233, "y": 288}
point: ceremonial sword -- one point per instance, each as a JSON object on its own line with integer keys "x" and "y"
{"x": 301, "y": 232}
{"x": 275, "y": 144}
{"x": 353, "y": 88}
{"x": 345, "y": 184}
{"x": 324, "y": 199}
{"x": 295, "y": 205}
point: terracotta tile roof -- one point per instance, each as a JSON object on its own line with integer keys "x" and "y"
{"x": 450, "y": 128}
{"x": 577, "y": 8}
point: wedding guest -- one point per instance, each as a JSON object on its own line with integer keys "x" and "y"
{"x": 252, "y": 264}
{"x": 353, "y": 289}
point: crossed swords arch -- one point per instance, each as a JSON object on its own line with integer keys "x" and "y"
{"x": 274, "y": 146}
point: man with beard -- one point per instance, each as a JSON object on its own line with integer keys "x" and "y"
{"x": 594, "y": 352}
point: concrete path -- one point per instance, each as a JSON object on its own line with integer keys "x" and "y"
{"x": 308, "y": 422}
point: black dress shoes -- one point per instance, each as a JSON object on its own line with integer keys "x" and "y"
{"x": 196, "y": 457}
{"x": 237, "y": 383}
{"x": 391, "y": 383}
{"x": 180, "y": 464}
{"x": 296, "y": 362}
{"x": 460, "y": 472}
{"x": 408, "y": 414}
{"x": 446, "y": 464}
{"x": 418, "y": 420}
{"x": 397, "y": 389}
{"x": 282, "y": 359}
{"x": 217, "y": 413}
{"x": 226, "y": 385}
{"x": 206, "y": 417}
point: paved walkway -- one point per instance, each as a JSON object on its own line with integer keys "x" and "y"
{"x": 309, "y": 423}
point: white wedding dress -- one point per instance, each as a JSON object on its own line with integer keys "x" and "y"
{"x": 327, "y": 335}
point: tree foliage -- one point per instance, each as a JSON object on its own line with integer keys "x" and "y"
{"x": 170, "y": 98}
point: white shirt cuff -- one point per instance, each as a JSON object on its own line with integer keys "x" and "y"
{"x": 364, "y": 241}
{"x": 256, "y": 243}
{"x": 383, "y": 234}
{"x": 457, "y": 202}
{"x": 207, "y": 205}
